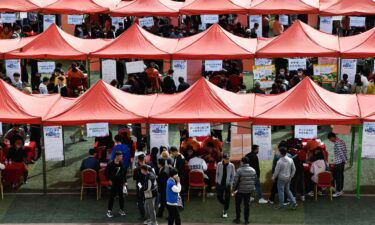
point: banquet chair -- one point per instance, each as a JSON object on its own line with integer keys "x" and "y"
{"x": 103, "y": 182}
{"x": 89, "y": 180}
{"x": 196, "y": 181}
{"x": 1, "y": 186}
{"x": 324, "y": 181}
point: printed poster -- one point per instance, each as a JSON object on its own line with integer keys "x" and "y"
{"x": 48, "y": 20}
{"x": 12, "y": 66}
{"x": 295, "y": 64}
{"x": 146, "y": 21}
{"x": 368, "y": 140}
{"x": 108, "y": 70}
{"x": 116, "y": 21}
{"x": 53, "y": 142}
{"x": 75, "y": 19}
{"x": 349, "y": 66}
{"x": 284, "y": 19}
{"x": 8, "y": 18}
{"x": 199, "y": 129}
{"x": 357, "y": 21}
{"x": 209, "y": 19}
{"x": 46, "y": 67}
{"x": 256, "y": 19}
{"x": 97, "y": 129}
{"x": 135, "y": 67}
{"x": 326, "y": 24}
{"x": 1, "y": 129}
{"x": 306, "y": 131}
{"x": 159, "y": 135}
{"x": 263, "y": 62}
{"x": 326, "y": 73}
{"x": 213, "y": 65}
{"x": 265, "y": 75}
{"x": 263, "y": 138}
{"x": 240, "y": 145}
{"x": 180, "y": 70}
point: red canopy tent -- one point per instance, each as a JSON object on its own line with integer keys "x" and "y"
{"x": 102, "y": 103}
{"x": 307, "y": 103}
{"x": 346, "y": 7}
{"x": 18, "y": 107}
{"x": 215, "y": 43}
{"x": 358, "y": 46}
{"x": 301, "y": 40}
{"x": 18, "y": 6}
{"x": 367, "y": 107}
{"x": 54, "y": 43}
{"x": 147, "y": 8}
{"x": 199, "y": 7}
{"x": 136, "y": 42}
{"x": 202, "y": 102}
{"x": 8, "y": 45}
{"x": 284, "y": 7}
{"x": 76, "y": 7}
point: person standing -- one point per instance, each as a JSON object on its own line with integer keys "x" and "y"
{"x": 162, "y": 186}
{"x": 340, "y": 158}
{"x": 217, "y": 129}
{"x": 119, "y": 147}
{"x": 277, "y": 27}
{"x": 43, "y": 86}
{"x": 284, "y": 172}
{"x": 182, "y": 85}
{"x": 150, "y": 191}
{"x": 254, "y": 163}
{"x": 225, "y": 173}
{"x": 244, "y": 185}
{"x": 115, "y": 173}
{"x": 173, "y": 196}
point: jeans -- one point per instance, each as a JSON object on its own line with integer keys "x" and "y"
{"x": 246, "y": 200}
{"x": 258, "y": 189}
{"x": 284, "y": 186}
{"x": 150, "y": 210}
{"x": 223, "y": 195}
{"x": 116, "y": 190}
{"x": 339, "y": 176}
{"x": 173, "y": 215}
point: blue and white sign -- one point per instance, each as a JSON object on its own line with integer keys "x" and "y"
{"x": 326, "y": 24}
{"x": 159, "y": 135}
{"x": 368, "y": 141}
{"x": 263, "y": 138}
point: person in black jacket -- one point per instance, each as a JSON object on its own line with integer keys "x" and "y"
{"x": 298, "y": 180}
{"x": 183, "y": 85}
{"x": 162, "y": 185}
{"x": 61, "y": 87}
{"x": 168, "y": 86}
{"x": 254, "y": 163}
{"x": 149, "y": 188}
{"x": 115, "y": 173}
{"x": 179, "y": 165}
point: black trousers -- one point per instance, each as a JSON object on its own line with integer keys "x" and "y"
{"x": 173, "y": 215}
{"x": 116, "y": 190}
{"x": 162, "y": 202}
{"x": 339, "y": 176}
{"x": 223, "y": 195}
{"x": 298, "y": 184}
{"x": 140, "y": 203}
{"x": 218, "y": 134}
{"x": 246, "y": 201}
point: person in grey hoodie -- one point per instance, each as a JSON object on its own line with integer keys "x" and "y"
{"x": 284, "y": 172}
{"x": 244, "y": 185}
{"x": 224, "y": 180}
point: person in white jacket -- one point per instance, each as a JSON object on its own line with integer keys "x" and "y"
{"x": 316, "y": 168}
{"x": 284, "y": 172}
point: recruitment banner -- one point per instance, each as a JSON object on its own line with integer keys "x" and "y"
{"x": 306, "y": 131}
{"x": 253, "y": 19}
{"x": 12, "y": 66}
{"x": 368, "y": 140}
{"x": 209, "y": 19}
{"x": 46, "y": 67}
{"x": 53, "y": 143}
{"x": 116, "y": 21}
{"x": 8, "y": 18}
{"x": 213, "y": 65}
{"x": 75, "y": 19}
{"x": 135, "y": 67}
{"x": 284, "y": 19}
{"x": 349, "y": 66}
{"x": 265, "y": 75}
{"x": 326, "y": 24}
{"x": 263, "y": 62}
{"x": 97, "y": 129}
{"x": 159, "y": 135}
{"x": 180, "y": 70}
{"x": 263, "y": 138}
{"x": 357, "y": 21}
{"x": 199, "y": 129}
{"x": 48, "y": 20}
{"x": 109, "y": 70}
{"x": 146, "y": 21}
{"x": 325, "y": 73}
{"x": 295, "y": 64}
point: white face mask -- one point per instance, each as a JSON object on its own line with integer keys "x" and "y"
{"x": 282, "y": 72}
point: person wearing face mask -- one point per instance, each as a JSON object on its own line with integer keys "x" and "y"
{"x": 254, "y": 163}
{"x": 224, "y": 181}
{"x": 301, "y": 74}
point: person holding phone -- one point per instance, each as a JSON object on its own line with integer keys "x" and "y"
{"x": 173, "y": 198}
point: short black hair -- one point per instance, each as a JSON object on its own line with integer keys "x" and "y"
{"x": 283, "y": 151}
{"x": 170, "y": 71}
{"x": 331, "y": 135}
{"x": 16, "y": 75}
{"x": 161, "y": 161}
{"x": 282, "y": 144}
{"x": 254, "y": 147}
{"x": 118, "y": 138}
{"x": 92, "y": 151}
{"x": 45, "y": 79}
{"x": 172, "y": 172}
{"x": 118, "y": 153}
{"x": 245, "y": 160}
{"x": 181, "y": 79}
{"x": 141, "y": 157}
{"x": 173, "y": 149}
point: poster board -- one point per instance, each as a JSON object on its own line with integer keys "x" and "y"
{"x": 135, "y": 67}
{"x": 306, "y": 131}
{"x": 213, "y": 65}
{"x": 326, "y": 73}
{"x": 180, "y": 70}
{"x": 53, "y": 142}
{"x": 8, "y": 17}
{"x": 48, "y": 20}
{"x": 109, "y": 70}
{"x": 263, "y": 138}
{"x": 75, "y": 19}
{"x": 97, "y": 129}
{"x": 368, "y": 140}
{"x": 349, "y": 66}
{"x": 146, "y": 21}
{"x": 12, "y": 66}
{"x": 159, "y": 135}
{"x": 326, "y": 24}
{"x": 265, "y": 75}
{"x": 209, "y": 19}
{"x": 295, "y": 64}
{"x": 357, "y": 21}
{"x": 199, "y": 129}
{"x": 116, "y": 20}
{"x": 256, "y": 19}
{"x": 284, "y": 19}
{"x": 45, "y": 67}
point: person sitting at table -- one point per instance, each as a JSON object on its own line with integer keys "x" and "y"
{"x": 198, "y": 164}
{"x": 17, "y": 153}
{"x": 90, "y": 162}
{"x": 15, "y": 131}
{"x": 189, "y": 153}
{"x": 190, "y": 141}
{"x": 314, "y": 154}
{"x": 318, "y": 166}
{"x": 106, "y": 141}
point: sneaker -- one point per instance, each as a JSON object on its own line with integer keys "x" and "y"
{"x": 252, "y": 199}
{"x": 247, "y": 222}
{"x": 122, "y": 213}
{"x": 225, "y": 214}
{"x": 311, "y": 194}
{"x": 146, "y": 222}
{"x": 109, "y": 214}
{"x": 294, "y": 206}
{"x": 303, "y": 198}
{"x": 337, "y": 194}
{"x": 262, "y": 201}
{"x": 286, "y": 203}
{"x": 237, "y": 221}
{"x": 271, "y": 202}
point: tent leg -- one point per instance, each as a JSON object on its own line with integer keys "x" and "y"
{"x": 359, "y": 162}
{"x": 88, "y": 72}
{"x": 44, "y": 164}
